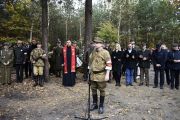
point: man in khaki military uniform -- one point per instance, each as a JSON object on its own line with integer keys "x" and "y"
{"x": 6, "y": 64}
{"x": 100, "y": 66}
{"x": 37, "y": 58}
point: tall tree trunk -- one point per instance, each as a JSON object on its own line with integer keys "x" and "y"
{"x": 31, "y": 32}
{"x": 88, "y": 24}
{"x": 44, "y": 4}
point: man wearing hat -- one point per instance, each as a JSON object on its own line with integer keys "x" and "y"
{"x": 37, "y": 58}
{"x": 6, "y": 64}
{"x": 100, "y": 66}
{"x": 174, "y": 59}
{"x": 58, "y": 55}
{"x": 19, "y": 57}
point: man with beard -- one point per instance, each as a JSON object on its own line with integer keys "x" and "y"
{"x": 69, "y": 64}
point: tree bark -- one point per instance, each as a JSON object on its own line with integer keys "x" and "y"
{"x": 44, "y": 4}
{"x": 88, "y": 24}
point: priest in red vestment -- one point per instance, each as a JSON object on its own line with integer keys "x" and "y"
{"x": 69, "y": 64}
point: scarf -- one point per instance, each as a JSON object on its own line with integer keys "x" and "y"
{"x": 73, "y": 59}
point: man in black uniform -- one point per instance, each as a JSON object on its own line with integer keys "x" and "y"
{"x": 19, "y": 58}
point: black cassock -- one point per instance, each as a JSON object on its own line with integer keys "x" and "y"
{"x": 69, "y": 77}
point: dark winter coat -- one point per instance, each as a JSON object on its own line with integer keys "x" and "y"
{"x": 174, "y": 55}
{"x": 130, "y": 62}
{"x": 159, "y": 57}
{"x": 144, "y": 63}
{"x": 19, "y": 56}
{"x": 117, "y": 60}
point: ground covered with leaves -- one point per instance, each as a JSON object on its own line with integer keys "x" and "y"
{"x": 55, "y": 102}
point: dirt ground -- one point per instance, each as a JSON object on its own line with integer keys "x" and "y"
{"x": 55, "y": 102}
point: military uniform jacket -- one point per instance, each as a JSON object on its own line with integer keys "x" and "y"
{"x": 36, "y": 55}
{"x": 97, "y": 63}
{"x": 6, "y": 56}
{"x": 58, "y": 55}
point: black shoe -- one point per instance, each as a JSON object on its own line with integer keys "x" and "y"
{"x": 41, "y": 85}
{"x": 140, "y": 84}
{"x": 147, "y": 84}
{"x": 94, "y": 106}
{"x": 177, "y": 88}
{"x": 131, "y": 84}
{"x": 101, "y": 110}
{"x": 9, "y": 83}
{"x": 155, "y": 86}
{"x": 35, "y": 84}
{"x": 161, "y": 87}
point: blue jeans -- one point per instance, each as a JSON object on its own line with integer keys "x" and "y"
{"x": 129, "y": 75}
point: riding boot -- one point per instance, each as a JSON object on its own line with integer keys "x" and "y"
{"x": 35, "y": 80}
{"x": 94, "y": 105}
{"x": 101, "y": 105}
{"x": 41, "y": 80}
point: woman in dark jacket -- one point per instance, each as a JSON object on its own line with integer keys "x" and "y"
{"x": 117, "y": 56}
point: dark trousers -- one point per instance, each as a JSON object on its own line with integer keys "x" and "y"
{"x": 135, "y": 73}
{"x": 117, "y": 76}
{"x": 144, "y": 72}
{"x": 175, "y": 78}
{"x": 19, "y": 73}
{"x": 28, "y": 69}
{"x": 168, "y": 80}
{"x": 157, "y": 72}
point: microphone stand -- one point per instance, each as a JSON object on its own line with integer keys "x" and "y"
{"x": 89, "y": 98}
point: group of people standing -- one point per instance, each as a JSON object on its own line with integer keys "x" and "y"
{"x": 162, "y": 59}
{"x": 99, "y": 63}
{"x": 29, "y": 61}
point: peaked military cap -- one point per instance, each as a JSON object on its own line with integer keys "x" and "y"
{"x": 98, "y": 40}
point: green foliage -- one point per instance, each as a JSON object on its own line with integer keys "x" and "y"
{"x": 18, "y": 22}
{"x": 157, "y": 21}
{"x": 107, "y": 32}
{"x": 7, "y": 39}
